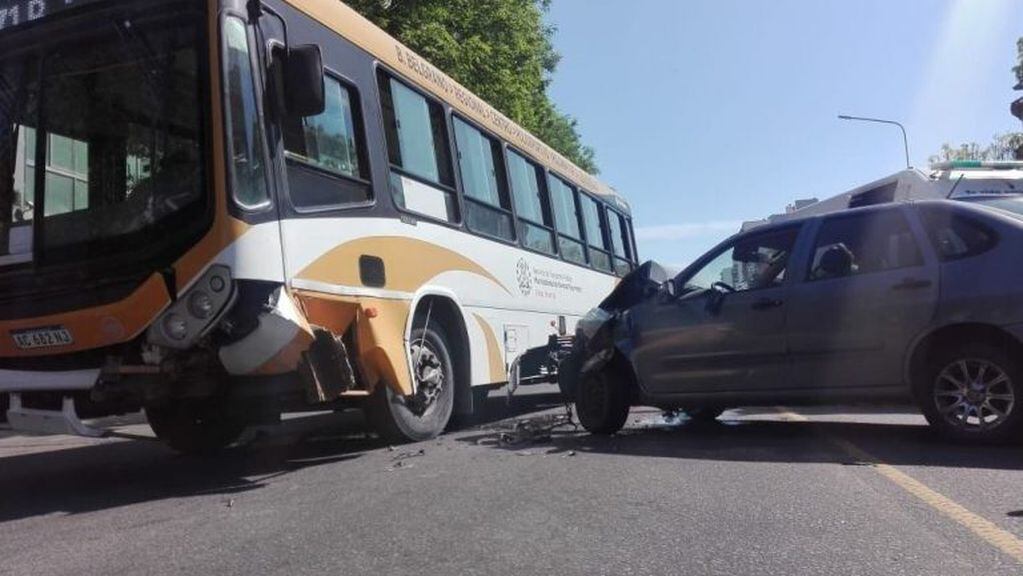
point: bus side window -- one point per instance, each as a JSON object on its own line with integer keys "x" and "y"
{"x": 532, "y": 205}
{"x": 421, "y": 178}
{"x": 620, "y": 244}
{"x": 567, "y": 217}
{"x": 487, "y": 208}
{"x": 246, "y": 142}
{"x": 596, "y": 236}
{"x": 326, "y": 153}
{"x": 632, "y": 242}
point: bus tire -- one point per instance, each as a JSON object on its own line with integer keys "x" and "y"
{"x": 399, "y": 419}
{"x": 602, "y": 401}
{"x": 195, "y": 425}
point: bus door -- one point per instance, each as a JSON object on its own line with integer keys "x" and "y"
{"x": 321, "y": 160}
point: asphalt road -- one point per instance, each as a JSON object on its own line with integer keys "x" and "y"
{"x": 825, "y": 491}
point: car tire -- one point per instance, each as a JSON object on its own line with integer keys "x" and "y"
{"x": 602, "y": 401}
{"x": 195, "y": 425}
{"x": 398, "y": 419}
{"x": 5, "y": 405}
{"x": 703, "y": 414}
{"x": 973, "y": 392}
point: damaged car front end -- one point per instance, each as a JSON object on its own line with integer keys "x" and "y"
{"x": 602, "y": 337}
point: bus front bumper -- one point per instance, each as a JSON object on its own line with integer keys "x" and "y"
{"x": 41, "y": 381}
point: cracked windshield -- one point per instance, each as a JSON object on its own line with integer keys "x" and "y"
{"x": 511, "y": 287}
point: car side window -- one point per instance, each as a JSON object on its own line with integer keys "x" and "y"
{"x": 955, "y": 236}
{"x": 863, "y": 243}
{"x": 749, "y": 263}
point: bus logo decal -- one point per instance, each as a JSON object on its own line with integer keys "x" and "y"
{"x": 525, "y": 276}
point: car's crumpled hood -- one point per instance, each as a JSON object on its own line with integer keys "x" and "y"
{"x": 639, "y": 284}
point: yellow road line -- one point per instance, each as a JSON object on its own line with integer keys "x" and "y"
{"x": 1005, "y": 541}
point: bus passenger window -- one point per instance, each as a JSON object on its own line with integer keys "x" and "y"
{"x": 487, "y": 209}
{"x": 331, "y": 144}
{"x": 566, "y": 214}
{"x": 619, "y": 242}
{"x": 531, "y": 204}
{"x": 245, "y": 129}
{"x": 595, "y": 237}
{"x": 418, "y": 149}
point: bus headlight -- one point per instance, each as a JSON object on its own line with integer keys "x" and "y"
{"x": 200, "y": 304}
{"x": 175, "y": 327}
{"x": 196, "y": 311}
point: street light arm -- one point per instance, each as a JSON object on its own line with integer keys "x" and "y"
{"x": 905, "y": 139}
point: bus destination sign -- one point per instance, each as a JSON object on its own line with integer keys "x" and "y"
{"x": 20, "y": 12}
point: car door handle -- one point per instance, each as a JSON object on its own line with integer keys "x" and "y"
{"x": 912, "y": 284}
{"x": 766, "y": 304}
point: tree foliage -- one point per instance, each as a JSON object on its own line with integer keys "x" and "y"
{"x": 500, "y": 49}
{"x": 1002, "y": 147}
{"x": 1006, "y": 146}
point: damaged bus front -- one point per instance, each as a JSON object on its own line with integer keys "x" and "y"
{"x": 129, "y": 276}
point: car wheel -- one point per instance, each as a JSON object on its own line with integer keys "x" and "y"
{"x": 602, "y": 401}
{"x": 425, "y": 414}
{"x": 703, "y": 413}
{"x": 973, "y": 392}
{"x": 195, "y": 425}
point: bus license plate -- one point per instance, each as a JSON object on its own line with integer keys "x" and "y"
{"x": 42, "y": 337}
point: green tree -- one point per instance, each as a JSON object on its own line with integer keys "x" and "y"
{"x": 500, "y": 49}
{"x": 1002, "y": 147}
{"x": 1007, "y": 146}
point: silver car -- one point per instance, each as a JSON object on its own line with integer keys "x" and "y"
{"x": 920, "y": 301}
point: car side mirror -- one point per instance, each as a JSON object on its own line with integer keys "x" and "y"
{"x": 670, "y": 289}
{"x": 303, "y": 81}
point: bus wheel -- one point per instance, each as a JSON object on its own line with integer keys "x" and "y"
{"x": 425, "y": 414}
{"x": 195, "y": 425}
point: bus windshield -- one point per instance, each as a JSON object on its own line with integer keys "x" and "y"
{"x": 100, "y": 148}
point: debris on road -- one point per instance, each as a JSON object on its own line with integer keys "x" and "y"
{"x": 532, "y": 430}
{"x": 400, "y": 460}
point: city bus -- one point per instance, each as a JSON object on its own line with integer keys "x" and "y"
{"x": 218, "y": 211}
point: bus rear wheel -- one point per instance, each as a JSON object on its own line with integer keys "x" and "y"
{"x": 195, "y": 425}
{"x": 425, "y": 414}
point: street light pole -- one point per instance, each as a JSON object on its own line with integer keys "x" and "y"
{"x": 905, "y": 140}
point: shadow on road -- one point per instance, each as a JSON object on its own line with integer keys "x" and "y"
{"x": 113, "y": 474}
{"x": 139, "y": 469}
{"x": 650, "y": 435}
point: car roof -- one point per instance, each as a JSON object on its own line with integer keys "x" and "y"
{"x": 789, "y": 222}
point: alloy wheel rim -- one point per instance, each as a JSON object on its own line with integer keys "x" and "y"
{"x": 974, "y": 394}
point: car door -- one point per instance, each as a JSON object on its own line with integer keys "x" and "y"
{"x": 869, "y": 289}
{"x": 726, "y": 331}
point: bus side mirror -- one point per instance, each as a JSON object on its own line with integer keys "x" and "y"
{"x": 303, "y": 81}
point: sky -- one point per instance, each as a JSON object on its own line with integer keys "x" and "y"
{"x": 705, "y": 113}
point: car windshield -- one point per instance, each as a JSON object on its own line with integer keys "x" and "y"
{"x": 100, "y": 134}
